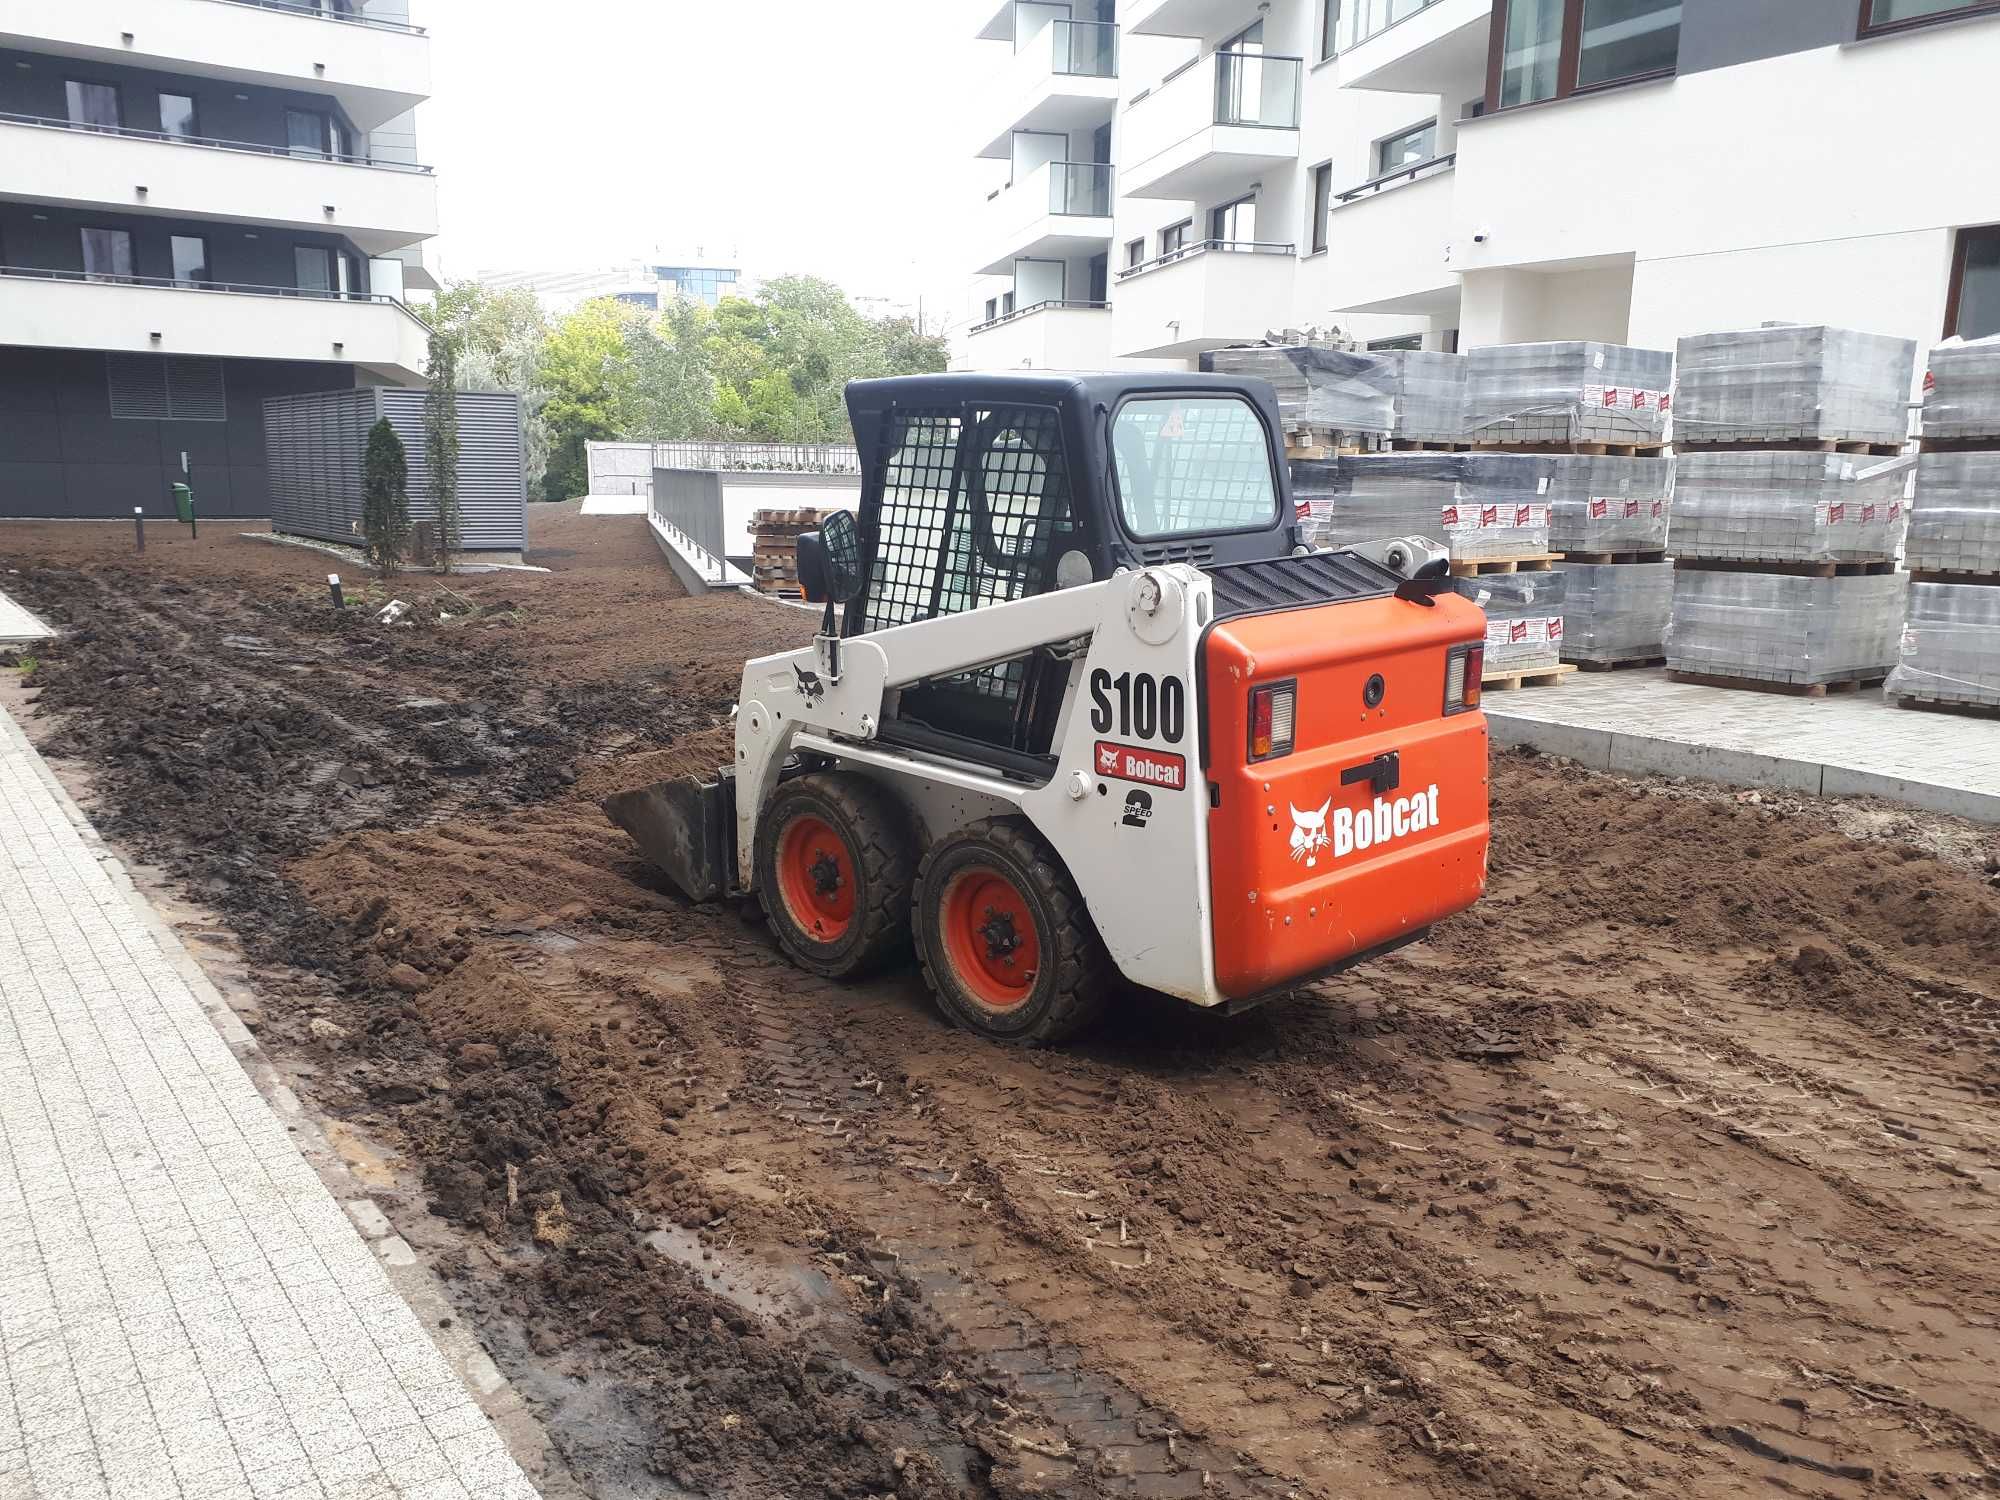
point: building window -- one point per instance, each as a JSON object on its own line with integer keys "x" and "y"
{"x": 1234, "y": 223}
{"x": 313, "y": 268}
{"x": 1889, "y": 15}
{"x": 309, "y": 133}
{"x": 1417, "y": 144}
{"x": 166, "y": 387}
{"x": 1135, "y": 252}
{"x": 1175, "y": 236}
{"x": 1550, "y": 49}
{"x": 107, "y": 254}
{"x": 94, "y": 104}
{"x": 1972, "y": 310}
{"x": 1329, "y": 29}
{"x": 1406, "y": 341}
{"x": 992, "y": 308}
{"x": 177, "y": 116}
{"x": 1322, "y": 206}
{"x": 190, "y": 260}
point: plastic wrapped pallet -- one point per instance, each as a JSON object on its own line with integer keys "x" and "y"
{"x": 1764, "y": 505}
{"x": 1567, "y": 392}
{"x": 1481, "y": 505}
{"x": 1790, "y": 382}
{"x": 1318, "y": 386}
{"x": 1429, "y": 394}
{"x": 1524, "y": 619}
{"x": 1615, "y": 612}
{"x": 1599, "y": 504}
{"x": 1962, "y": 390}
{"x": 1955, "y": 517}
{"x": 1779, "y": 628}
{"x": 1951, "y": 646}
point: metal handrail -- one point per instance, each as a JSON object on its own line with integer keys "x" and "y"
{"x": 1228, "y": 62}
{"x": 235, "y": 288}
{"x": 1035, "y": 307}
{"x": 212, "y": 143}
{"x": 1200, "y": 247}
{"x": 1103, "y": 51}
{"x": 1376, "y": 184}
{"x": 296, "y": 8}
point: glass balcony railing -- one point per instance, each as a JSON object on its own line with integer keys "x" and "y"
{"x": 1256, "y": 88}
{"x": 1079, "y": 187}
{"x": 1085, "y": 49}
{"x": 1351, "y": 22}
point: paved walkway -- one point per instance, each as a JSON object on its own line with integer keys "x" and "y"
{"x": 185, "y": 1311}
{"x": 1842, "y": 745}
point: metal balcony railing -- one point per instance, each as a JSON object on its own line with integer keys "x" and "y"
{"x": 1085, "y": 49}
{"x": 1355, "y": 21}
{"x": 1256, "y": 88}
{"x": 353, "y": 16}
{"x": 211, "y": 143}
{"x": 1427, "y": 168}
{"x": 1035, "y": 307}
{"x": 189, "y": 284}
{"x": 1205, "y": 247}
{"x": 1080, "y": 187}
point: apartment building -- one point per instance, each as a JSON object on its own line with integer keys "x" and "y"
{"x": 203, "y": 203}
{"x": 1187, "y": 174}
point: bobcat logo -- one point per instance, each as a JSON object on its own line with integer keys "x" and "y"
{"x": 1309, "y": 833}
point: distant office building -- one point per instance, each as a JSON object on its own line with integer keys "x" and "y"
{"x": 647, "y": 285}
{"x": 707, "y": 284}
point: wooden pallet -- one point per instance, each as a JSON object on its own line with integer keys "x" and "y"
{"x": 1947, "y": 706}
{"x": 1958, "y": 445}
{"x": 1427, "y": 445}
{"x": 1787, "y": 445}
{"x": 1789, "y": 569}
{"x": 1321, "y": 453}
{"x": 1975, "y": 580}
{"x": 1503, "y": 682}
{"x": 1784, "y": 689}
{"x": 1622, "y": 663}
{"x": 1653, "y": 556}
{"x": 1588, "y": 449}
{"x": 1478, "y": 567}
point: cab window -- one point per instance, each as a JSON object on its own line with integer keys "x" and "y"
{"x": 1192, "y": 465}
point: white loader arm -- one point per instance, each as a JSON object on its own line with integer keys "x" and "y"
{"x": 837, "y": 687}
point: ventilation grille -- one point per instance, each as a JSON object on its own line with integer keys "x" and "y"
{"x": 1298, "y": 582}
{"x": 166, "y": 387}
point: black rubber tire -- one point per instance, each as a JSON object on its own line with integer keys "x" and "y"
{"x": 1076, "y": 977}
{"x": 882, "y": 849}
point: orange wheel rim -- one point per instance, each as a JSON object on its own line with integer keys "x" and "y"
{"x": 816, "y": 878}
{"x": 991, "y": 938}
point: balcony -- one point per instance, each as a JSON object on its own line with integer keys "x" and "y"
{"x": 1212, "y": 128}
{"x": 144, "y": 315}
{"x": 1060, "y": 209}
{"x": 1047, "y": 336}
{"x": 1063, "y": 76}
{"x": 1389, "y": 244}
{"x": 376, "y": 70}
{"x": 1197, "y": 18}
{"x": 1203, "y": 296}
{"x": 1416, "y": 47}
{"x": 379, "y": 206}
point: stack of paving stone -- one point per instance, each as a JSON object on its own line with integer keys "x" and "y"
{"x": 1950, "y": 654}
{"x": 1524, "y": 620}
{"x": 1332, "y": 399}
{"x": 1608, "y": 518}
{"x": 1788, "y": 507}
{"x": 1572, "y": 396}
{"x": 1486, "y": 507}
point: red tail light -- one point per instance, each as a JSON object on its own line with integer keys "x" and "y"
{"x": 1273, "y": 718}
{"x": 1462, "y": 670}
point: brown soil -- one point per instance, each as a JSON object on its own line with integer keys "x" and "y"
{"x": 1669, "y": 1169}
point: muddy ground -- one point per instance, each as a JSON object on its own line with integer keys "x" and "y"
{"x": 1671, "y": 1169}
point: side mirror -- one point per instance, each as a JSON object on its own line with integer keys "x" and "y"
{"x": 813, "y": 582}
{"x": 840, "y": 546}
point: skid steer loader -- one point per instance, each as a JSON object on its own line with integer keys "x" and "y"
{"x": 1089, "y": 709}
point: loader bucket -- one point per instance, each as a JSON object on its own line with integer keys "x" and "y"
{"x": 687, "y": 828}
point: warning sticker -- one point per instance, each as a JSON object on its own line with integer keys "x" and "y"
{"x": 1150, "y": 767}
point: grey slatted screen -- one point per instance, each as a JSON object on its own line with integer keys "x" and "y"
{"x": 166, "y": 387}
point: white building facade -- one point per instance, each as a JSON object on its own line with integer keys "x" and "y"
{"x": 203, "y": 203}
{"x": 1452, "y": 173}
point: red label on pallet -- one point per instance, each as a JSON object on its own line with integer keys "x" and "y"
{"x": 1867, "y": 514}
{"x": 1599, "y": 509}
{"x": 1518, "y": 630}
{"x": 1631, "y": 507}
{"x": 1555, "y": 627}
{"x": 1611, "y": 395}
{"x": 1149, "y": 767}
{"x": 1835, "y": 514}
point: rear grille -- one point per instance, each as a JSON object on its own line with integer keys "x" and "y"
{"x": 1200, "y": 554}
{"x": 1256, "y": 588}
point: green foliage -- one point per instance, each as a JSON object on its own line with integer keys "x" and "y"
{"x": 498, "y": 338}
{"x": 385, "y": 498}
{"x": 441, "y": 444}
{"x": 593, "y": 387}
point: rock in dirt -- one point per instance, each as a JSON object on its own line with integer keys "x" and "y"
{"x": 477, "y": 1055}
{"x": 323, "y": 1030}
{"x": 407, "y": 978}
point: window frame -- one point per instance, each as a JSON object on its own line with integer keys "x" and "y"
{"x": 83, "y": 233}
{"x": 1135, "y": 253}
{"x": 1319, "y": 232}
{"x": 330, "y": 292}
{"x": 208, "y": 269}
{"x": 1271, "y": 457}
{"x": 1215, "y": 219}
{"x": 1383, "y": 169}
{"x": 1182, "y": 227}
{"x": 1961, "y": 251}
{"x": 1569, "y": 60}
{"x": 194, "y": 115}
{"x": 117, "y": 100}
{"x": 1867, "y": 26}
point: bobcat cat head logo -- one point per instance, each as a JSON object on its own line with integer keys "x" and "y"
{"x": 1309, "y": 833}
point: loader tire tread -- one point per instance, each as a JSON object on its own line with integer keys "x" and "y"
{"x": 1083, "y": 973}
{"x": 883, "y": 845}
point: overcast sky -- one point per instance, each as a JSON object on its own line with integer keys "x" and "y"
{"x": 805, "y": 136}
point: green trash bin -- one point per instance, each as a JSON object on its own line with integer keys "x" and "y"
{"x": 184, "y": 503}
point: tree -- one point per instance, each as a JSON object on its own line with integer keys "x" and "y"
{"x": 385, "y": 498}
{"x": 441, "y": 444}
{"x": 593, "y": 391}
{"x": 499, "y": 338}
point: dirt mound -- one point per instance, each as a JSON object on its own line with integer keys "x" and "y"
{"x": 698, "y": 754}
